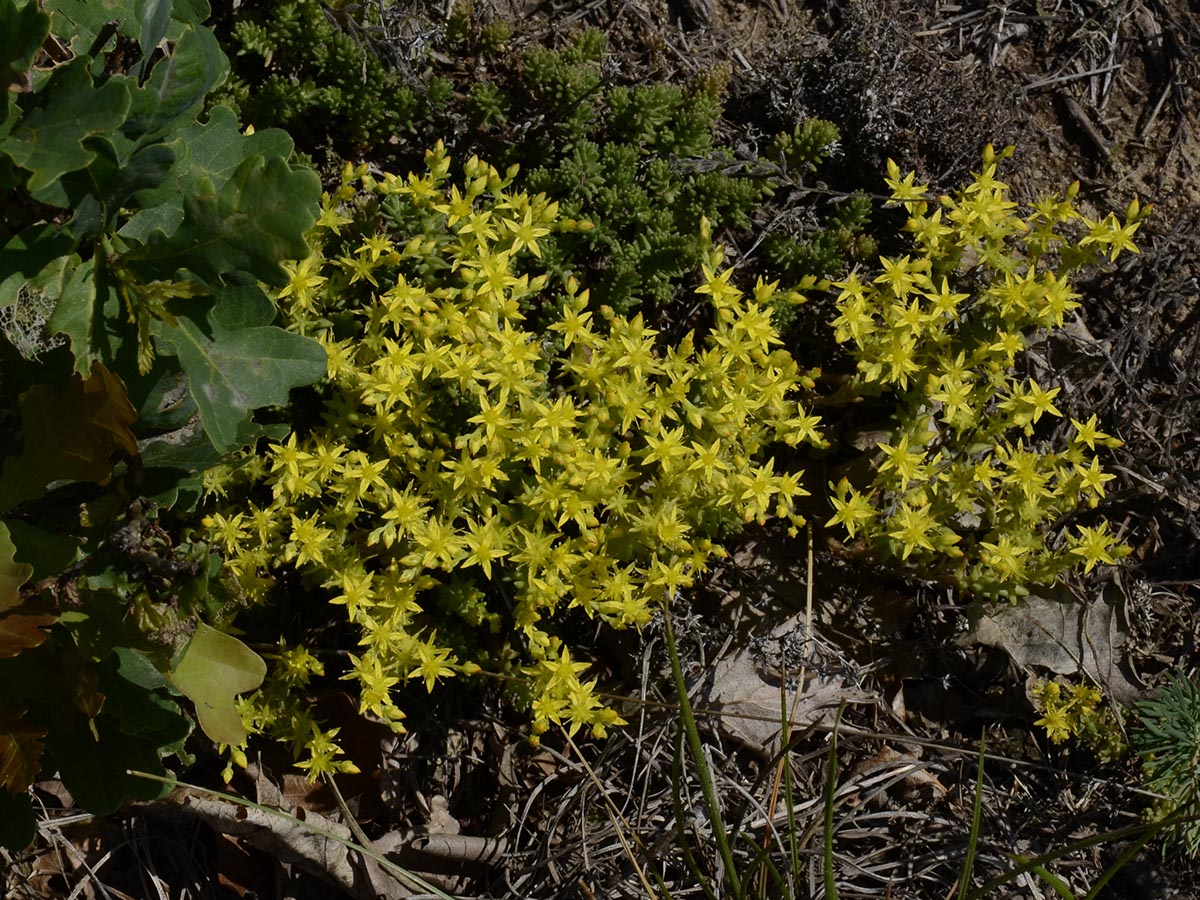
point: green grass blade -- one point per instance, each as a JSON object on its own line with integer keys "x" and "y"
{"x": 831, "y": 891}
{"x": 789, "y": 798}
{"x": 1119, "y": 834}
{"x": 964, "y": 880}
{"x": 712, "y": 807}
{"x": 1119, "y": 863}
{"x": 1059, "y": 886}
{"x": 681, "y": 820}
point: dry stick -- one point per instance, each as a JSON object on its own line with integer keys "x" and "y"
{"x": 615, "y": 815}
{"x": 410, "y": 879}
{"x": 1150, "y": 122}
{"x": 1071, "y": 76}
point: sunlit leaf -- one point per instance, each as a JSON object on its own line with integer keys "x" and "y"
{"x": 51, "y": 138}
{"x": 177, "y": 86}
{"x": 215, "y": 668}
{"x": 238, "y": 362}
{"x": 212, "y": 150}
{"x": 251, "y": 224}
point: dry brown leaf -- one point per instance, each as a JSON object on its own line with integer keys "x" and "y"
{"x": 1062, "y": 634}
{"x": 914, "y": 776}
{"x": 749, "y": 706}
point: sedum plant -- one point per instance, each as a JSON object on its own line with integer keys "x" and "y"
{"x": 1076, "y": 711}
{"x": 642, "y": 162}
{"x": 967, "y": 485}
{"x": 302, "y": 62}
{"x": 469, "y": 487}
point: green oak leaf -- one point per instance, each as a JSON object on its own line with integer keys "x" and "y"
{"x": 177, "y": 87}
{"x": 48, "y": 552}
{"x": 238, "y": 361}
{"x": 38, "y": 256}
{"x": 25, "y": 27}
{"x": 50, "y": 139}
{"x": 252, "y": 224}
{"x": 136, "y": 668}
{"x": 214, "y": 669}
{"x": 80, "y": 21}
{"x": 212, "y": 150}
{"x": 7, "y": 173}
{"x": 136, "y": 696}
{"x": 96, "y": 771}
{"x": 98, "y": 193}
{"x": 92, "y": 315}
{"x": 69, "y": 435}
{"x": 191, "y": 11}
{"x": 153, "y": 19}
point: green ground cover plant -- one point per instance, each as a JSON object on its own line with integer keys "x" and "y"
{"x": 1075, "y": 711}
{"x": 297, "y": 64}
{"x": 1166, "y": 736}
{"x": 967, "y": 484}
{"x": 138, "y": 343}
{"x": 468, "y": 484}
{"x": 642, "y": 162}
{"x": 507, "y": 434}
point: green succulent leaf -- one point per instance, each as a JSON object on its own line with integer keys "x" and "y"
{"x": 215, "y": 668}
{"x": 51, "y": 138}
{"x": 238, "y": 362}
{"x": 69, "y": 435}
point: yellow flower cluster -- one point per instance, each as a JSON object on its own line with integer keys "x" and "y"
{"x": 1075, "y": 711}
{"x": 470, "y": 482}
{"x": 965, "y": 486}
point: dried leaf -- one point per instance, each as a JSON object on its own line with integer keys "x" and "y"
{"x": 912, "y": 771}
{"x": 299, "y": 843}
{"x": 749, "y": 706}
{"x": 21, "y": 621}
{"x": 1062, "y": 634}
{"x": 20, "y": 750}
{"x": 285, "y": 838}
{"x": 69, "y": 435}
